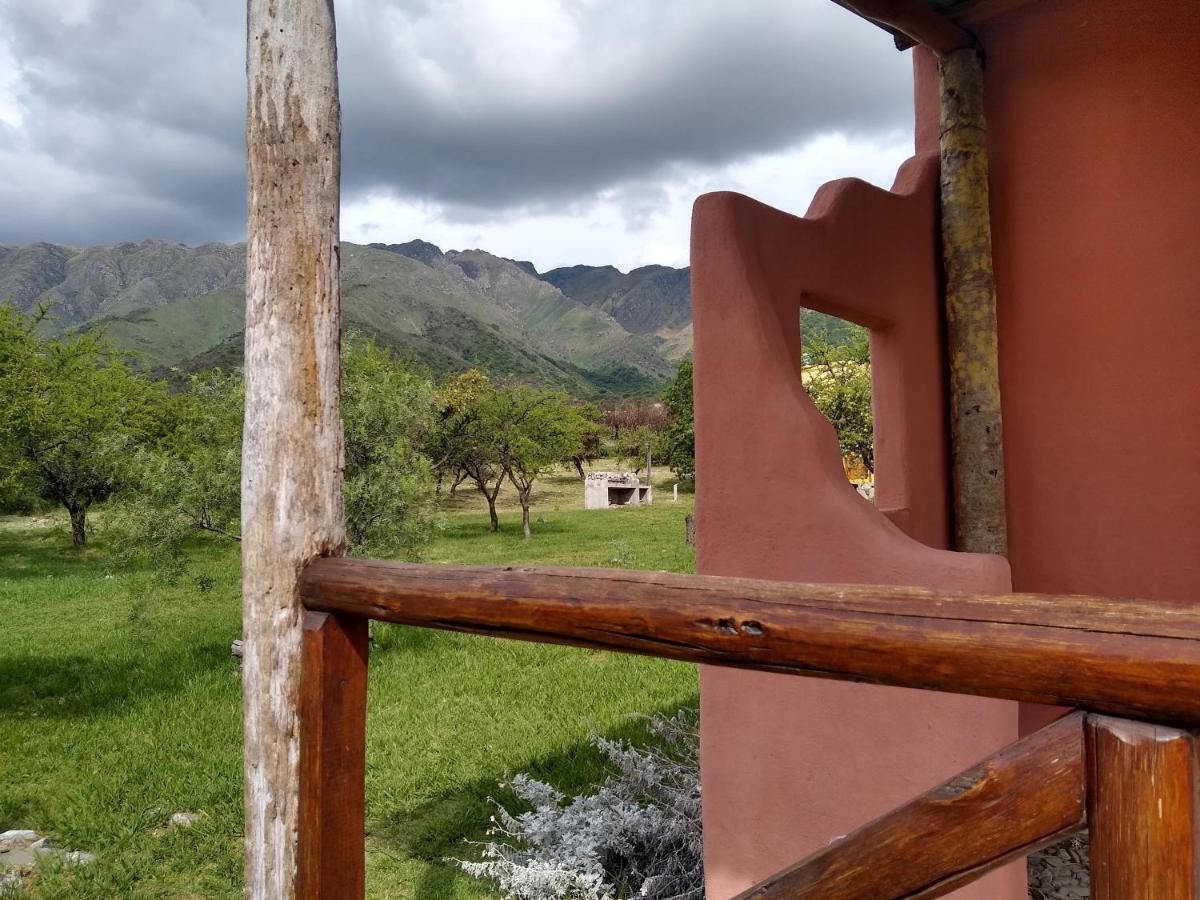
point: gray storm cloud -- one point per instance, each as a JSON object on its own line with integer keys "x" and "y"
{"x": 130, "y": 114}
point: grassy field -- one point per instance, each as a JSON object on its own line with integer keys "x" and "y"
{"x": 120, "y": 705}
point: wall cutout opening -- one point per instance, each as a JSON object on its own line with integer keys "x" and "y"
{"x": 837, "y": 376}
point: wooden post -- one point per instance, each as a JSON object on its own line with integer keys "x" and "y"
{"x": 1142, "y": 808}
{"x": 292, "y": 449}
{"x": 649, "y": 474}
{"x": 333, "y": 744}
{"x": 975, "y": 420}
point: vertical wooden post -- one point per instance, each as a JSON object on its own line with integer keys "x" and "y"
{"x": 292, "y": 448}
{"x": 333, "y": 722}
{"x": 649, "y": 473}
{"x": 975, "y": 421}
{"x": 1142, "y": 811}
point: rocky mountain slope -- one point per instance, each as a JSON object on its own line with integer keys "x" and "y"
{"x": 182, "y": 307}
{"x": 590, "y": 329}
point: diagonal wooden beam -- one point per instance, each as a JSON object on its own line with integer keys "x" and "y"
{"x": 1026, "y": 797}
{"x": 914, "y": 19}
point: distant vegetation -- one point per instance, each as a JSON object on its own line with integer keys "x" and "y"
{"x": 79, "y": 425}
{"x": 120, "y": 381}
{"x": 592, "y": 331}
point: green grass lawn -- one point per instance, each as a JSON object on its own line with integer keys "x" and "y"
{"x": 120, "y": 705}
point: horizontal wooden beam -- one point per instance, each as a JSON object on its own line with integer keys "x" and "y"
{"x": 915, "y": 20}
{"x": 1132, "y": 658}
{"x": 1026, "y": 797}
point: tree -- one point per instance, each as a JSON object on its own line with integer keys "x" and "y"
{"x": 679, "y": 441}
{"x": 591, "y": 439}
{"x": 187, "y": 483}
{"x": 633, "y": 444}
{"x": 535, "y": 429}
{"x": 837, "y": 377}
{"x": 70, "y": 412}
{"x": 389, "y": 411}
{"x": 466, "y": 436}
{"x": 634, "y": 414}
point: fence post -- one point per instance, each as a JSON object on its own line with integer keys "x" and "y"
{"x": 333, "y": 723}
{"x": 292, "y": 448}
{"x": 1142, "y": 810}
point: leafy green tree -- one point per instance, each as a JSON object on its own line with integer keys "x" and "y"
{"x": 188, "y": 482}
{"x": 535, "y": 429}
{"x": 632, "y": 445}
{"x": 71, "y": 410}
{"x": 466, "y": 438}
{"x": 389, "y": 412}
{"x": 679, "y": 440}
{"x": 837, "y": 376}
{"x": 591, "y": 439}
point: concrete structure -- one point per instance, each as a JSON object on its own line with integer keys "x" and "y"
{"x": 602, "y": 490}
{"x": 1095, "y": 196}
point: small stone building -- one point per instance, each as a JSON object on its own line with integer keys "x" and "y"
{"x": 602, "y": 490}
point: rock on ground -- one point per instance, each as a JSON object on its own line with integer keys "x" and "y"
{"x": 20, "y": 850}
{"x": 1060, "y": 872}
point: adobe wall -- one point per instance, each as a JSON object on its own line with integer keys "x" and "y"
{"x": 791, "y": 763}
{"x": 1094, "y": 138}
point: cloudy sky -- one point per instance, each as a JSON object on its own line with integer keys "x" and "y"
{"x": 560, "y": 131}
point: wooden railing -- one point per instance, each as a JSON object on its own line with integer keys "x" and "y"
{"x": 1125, "y": 764}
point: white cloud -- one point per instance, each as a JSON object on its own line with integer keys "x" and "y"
{"x": 558, "y": 130}
{"x": 613, "y": 228}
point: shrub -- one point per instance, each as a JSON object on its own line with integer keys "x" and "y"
{"x": 639, "y": 835}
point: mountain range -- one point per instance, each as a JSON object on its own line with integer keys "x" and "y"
{"x": 590, "y": 329}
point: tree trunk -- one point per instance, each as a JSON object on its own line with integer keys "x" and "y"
{"x": 78, "y": 525}
{"x": 495, "y": 519}
{"x": 524, "y": 495}
{"x": 578, "y": 460}
{"x": 292, "y": 451}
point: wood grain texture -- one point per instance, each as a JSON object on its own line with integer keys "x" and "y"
{"x": 292, "y": 450}
{"x": 914, "y": 20}
{"x": 1020, "y": 800}
{"x": 1142, "y": 808}
{"x": 965, "y": 14}
{"x": 333, "y": 721}
{"x": 1126, "y": 657}
{"x": 976, "y": 425}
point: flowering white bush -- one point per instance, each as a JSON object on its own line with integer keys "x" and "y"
{"x": 637, "y": 836}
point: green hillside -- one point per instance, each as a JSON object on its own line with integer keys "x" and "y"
{"x": 590, "y": 329}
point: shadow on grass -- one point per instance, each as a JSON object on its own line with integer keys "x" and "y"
{"x": 510, "y": 527}
{"x": 42, "y": 552}
{"x": 45, "y": 551}
{"x": 439, "y": 829}
{"x": 81, "y": 686}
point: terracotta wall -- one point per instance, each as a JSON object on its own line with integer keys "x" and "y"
{"x": 791, "y": 763}
{"x": 1094, "y": 137}
{"x": 1094, "y": 114}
